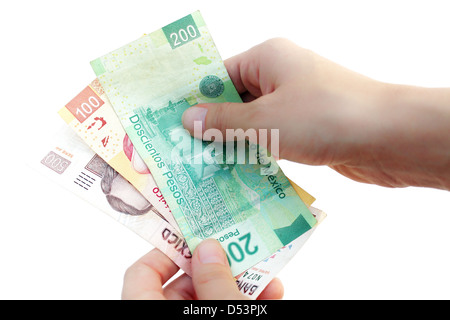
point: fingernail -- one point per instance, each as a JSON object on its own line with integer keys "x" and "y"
{"x": 194, "y": 116}
{"x": 210, "y": 251}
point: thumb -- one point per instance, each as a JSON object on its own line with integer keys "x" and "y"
{"x": 211, "y": 274}
{"x": 220, "y": 116}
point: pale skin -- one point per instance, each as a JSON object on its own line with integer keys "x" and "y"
{"x": 211, "y": 278}
{"x": 370, "y": 131}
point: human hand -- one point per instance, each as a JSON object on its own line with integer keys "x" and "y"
{"x": 367, "y": 130}
{"x": 211, "y": 278}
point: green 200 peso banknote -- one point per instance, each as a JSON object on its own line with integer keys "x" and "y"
{"x": 251, "y": 207}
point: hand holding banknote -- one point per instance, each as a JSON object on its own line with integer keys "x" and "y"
{"x": 326, "y": 115}
{"x": 366, "y": 130}
{"x": 211, "y": 277}
{"x": 145, "y": 171}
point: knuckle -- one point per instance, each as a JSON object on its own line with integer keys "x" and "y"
{"x": 276, "y": 44}
{"x": 135, "y": 268}
{"x": 258, "y": 113}
{"x": 130, "y": 272}
{"x": 213, "y": 274}
{"x": 221, "y": 118}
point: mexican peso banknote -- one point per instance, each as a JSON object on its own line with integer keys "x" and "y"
{"x": 68, "y": 161}
{"x": 251, "y": 208}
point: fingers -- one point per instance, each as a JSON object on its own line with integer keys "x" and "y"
{"x": 211, "y": 278}
{"x": 180, "y": 289}
{"x": 220, "y": 116}
{"x": 261, "y": 69}
{"x": 243, "y": 70}
{"x": 256, "y": 74}
{"x": 257, "y": 114}
{"x": 233, "y": 66}
{"x": 145, "y": 278}
{"x": 211, "y": 274}
{"x": 183, "y": 289}
{"x": 273, "y": 291}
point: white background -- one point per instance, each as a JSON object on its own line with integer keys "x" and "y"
{"x": 376, "y": 243}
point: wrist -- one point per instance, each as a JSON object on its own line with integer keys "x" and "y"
{"x": 410, "y": 134}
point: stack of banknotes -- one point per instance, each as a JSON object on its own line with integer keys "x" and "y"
{"x": 124, "y": 150}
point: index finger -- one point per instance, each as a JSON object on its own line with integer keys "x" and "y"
{"x": 233, "y": 67}
{"x": 243, "y": 70}
{"x": 145, "y": 278}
